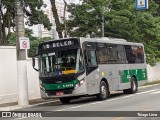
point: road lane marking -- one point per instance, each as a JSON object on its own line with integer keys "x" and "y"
{"x": 156, "y": 92}
{"x": 147, "y": 91}
{"x": 123, "y": 97}
{"x": 45, "y": 103}
{"x": 152, "y": 109}
{"x": 146, "y": 109}
{"x": 117, "y": 118}
{"x": 71, "y": 108}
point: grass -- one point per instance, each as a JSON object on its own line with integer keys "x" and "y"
{"x": 152, "y": 83}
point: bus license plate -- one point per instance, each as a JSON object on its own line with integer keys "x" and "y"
{"x": 59, "y": 93}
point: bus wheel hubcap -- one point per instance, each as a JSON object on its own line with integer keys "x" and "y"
{"x": 134, "y": 85}
{"x": 103, "y": 90}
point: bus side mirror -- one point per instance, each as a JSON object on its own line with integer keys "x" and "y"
{"x": 33, "y": 64}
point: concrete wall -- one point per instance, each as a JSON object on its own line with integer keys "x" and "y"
{"x": 153, "y": 72}
{"x": 8, "y": 76}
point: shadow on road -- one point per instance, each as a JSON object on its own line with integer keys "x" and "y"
{"x": 81, "y": 100}
{"x": 94, "y": 98}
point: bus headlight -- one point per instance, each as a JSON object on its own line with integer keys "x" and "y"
{"x": 79, "y": 83}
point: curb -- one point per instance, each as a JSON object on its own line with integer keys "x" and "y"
{"x": 146, "y": 86}
{"x": 11, "y": 108}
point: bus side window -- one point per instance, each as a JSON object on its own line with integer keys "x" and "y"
{"x": 91, "y": 58}
{"x": 121, "y": 54}
{"x": 139, "y": 54}
{"x": 113, "y": 53}
{"x": 102, "y": 53}
{"x": 130, "y": 54}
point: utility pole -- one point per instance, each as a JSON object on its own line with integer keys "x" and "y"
{"x": 21, "y": 58}
{"x": 103, "y": 24}
{"x": 0, "y": 23}
{"x": 104, "y": 9}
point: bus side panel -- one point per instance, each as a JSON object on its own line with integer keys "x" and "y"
{"x": 137, "y": 70}
{"x": 108, "y": 72}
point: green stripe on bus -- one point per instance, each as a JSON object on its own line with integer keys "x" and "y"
{"x": 141, "y": 74}
{"x": 60, "y": 86}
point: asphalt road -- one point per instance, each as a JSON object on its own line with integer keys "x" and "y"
{"x": 144, "y": 103}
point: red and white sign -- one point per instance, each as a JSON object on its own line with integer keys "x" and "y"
{"x": 24, "y": 43}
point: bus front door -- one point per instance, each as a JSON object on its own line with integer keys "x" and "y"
{"x": 92, "y": 73}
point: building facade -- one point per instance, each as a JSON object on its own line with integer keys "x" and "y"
{"x": 39, "y": 30}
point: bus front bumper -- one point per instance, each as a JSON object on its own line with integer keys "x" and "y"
{"x": 80, "y": 91}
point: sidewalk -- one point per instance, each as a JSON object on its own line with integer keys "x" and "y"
{"x": 32, "y": 103}
{"x": 37, "y": 102}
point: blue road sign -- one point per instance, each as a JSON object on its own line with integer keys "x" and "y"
{"x": 141, "y": 4}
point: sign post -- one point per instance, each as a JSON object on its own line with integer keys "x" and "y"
{"x": 141, "y": 4}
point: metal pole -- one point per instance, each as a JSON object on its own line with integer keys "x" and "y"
{"x": 0, "y": 23}
{"x": 103, "y": 24}
{"x": 21, "y": 58}
{"x": 103, "y": 11}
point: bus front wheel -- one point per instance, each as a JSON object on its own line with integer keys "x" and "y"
{"x": 65, "y": 100}
{"x": 104, "y": 92}
{"x": 134, "y": 87}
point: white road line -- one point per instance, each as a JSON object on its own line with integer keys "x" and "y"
{"x": 105, "y": 101}
{"x": 148, "y": 91}
{"x": 156, "y": 92}
{"x": 45, "y": 103}
{"x": 153, "y": 109}
{"x": 123, "y": 97}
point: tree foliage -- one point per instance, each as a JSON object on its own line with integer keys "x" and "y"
{"x": 121, "y": 21}
{"x": 34, "y": 41}
{"x": 32, "y": 12}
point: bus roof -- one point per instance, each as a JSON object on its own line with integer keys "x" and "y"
{"x": 101, "y": 39}
{"x": 109, "y": 40}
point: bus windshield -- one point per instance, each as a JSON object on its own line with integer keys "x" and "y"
{"x": 61, "y": 62}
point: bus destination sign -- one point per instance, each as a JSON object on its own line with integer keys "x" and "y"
{"x": 58, "y": 44}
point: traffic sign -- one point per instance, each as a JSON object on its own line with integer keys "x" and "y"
{"x": 141, "y": 4}
{"x": 24, "y": 43}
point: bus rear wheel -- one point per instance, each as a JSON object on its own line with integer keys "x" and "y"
{"x": 104, "y": 91}
{"x": 134, "y": 87}
{"x": 65, "y": 100}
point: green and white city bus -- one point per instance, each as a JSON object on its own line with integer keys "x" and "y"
{"x": 74, "y": 67}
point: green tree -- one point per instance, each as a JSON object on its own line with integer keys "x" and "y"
{"x": 121, "y": 21}
{"x": 34, "y": 41}
{"x": 34, "y": 45}
{"x": 32, "y": 11}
